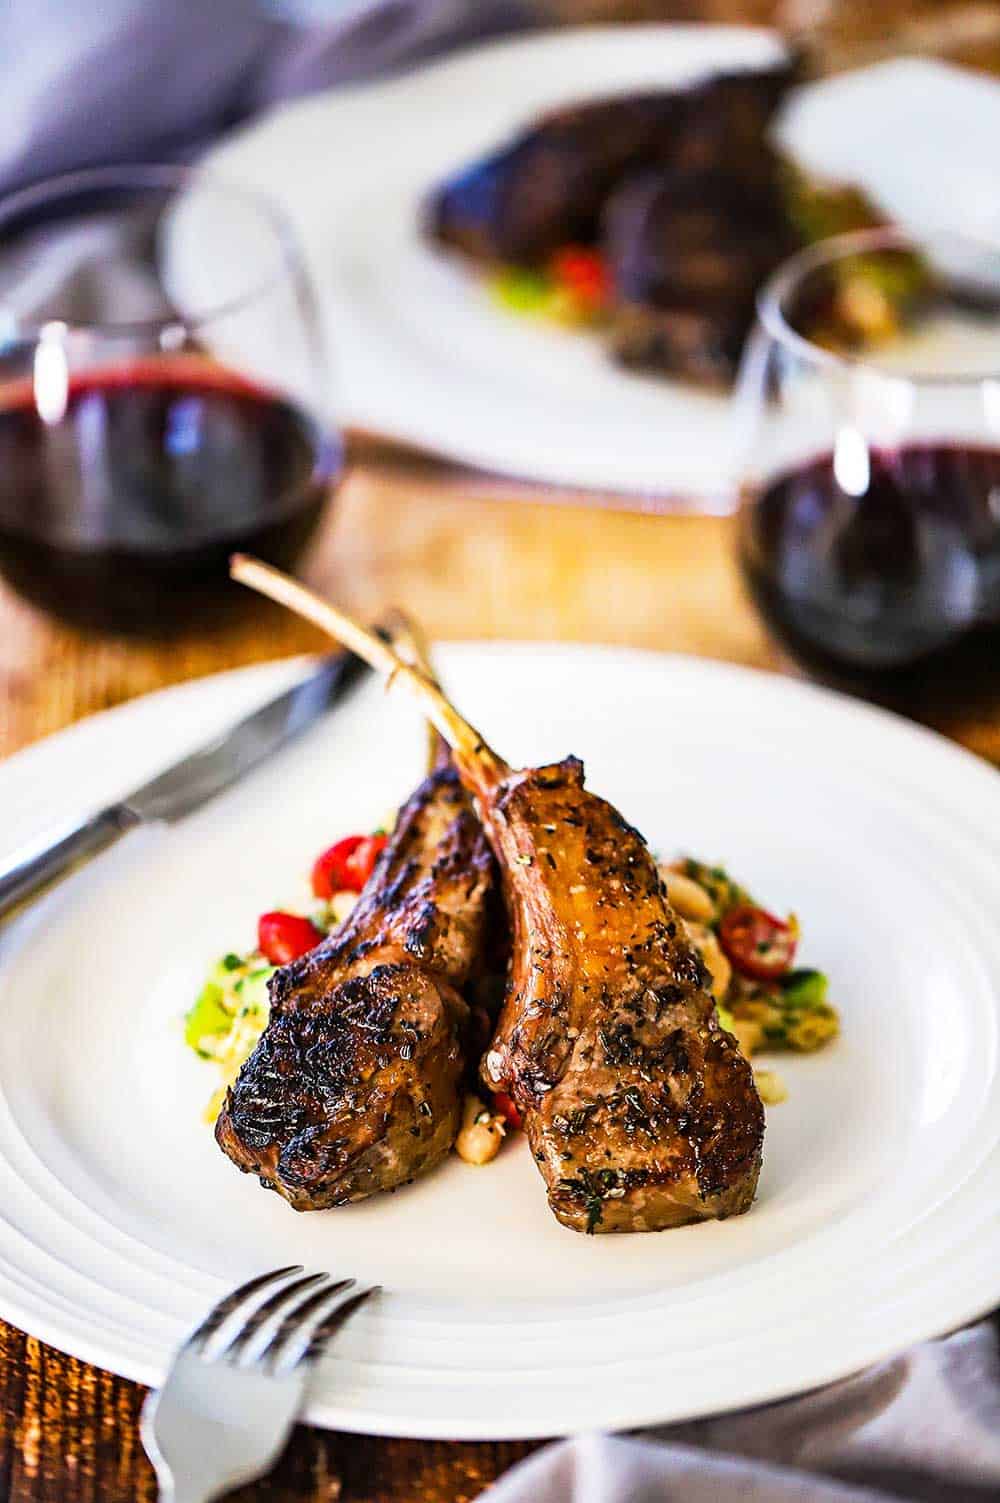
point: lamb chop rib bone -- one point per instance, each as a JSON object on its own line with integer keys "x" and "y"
{"x": 640, "y": 1109}
{"x": 356, "y": 1085}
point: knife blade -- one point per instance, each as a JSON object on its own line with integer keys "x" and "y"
{"x": 189, "y": 783}
{"x": 218, "y": 764}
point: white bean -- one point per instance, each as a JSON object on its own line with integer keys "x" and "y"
{"x": 771, "y": 1087}
{"x": 711, "y": 952}
{"x": 341, "y": 904}
{"x": 687, "y": 896}
{"x": 481, "y": 1133}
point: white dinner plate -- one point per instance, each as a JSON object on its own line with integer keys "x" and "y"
{"x": 422, "y": 353}
{"x": 875, "y": 1224}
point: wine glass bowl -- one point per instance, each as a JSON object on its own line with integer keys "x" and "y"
{"x": 162, "y": 394}
{"x": 869, "y": 428}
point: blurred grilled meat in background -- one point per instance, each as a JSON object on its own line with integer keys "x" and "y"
{"x": 679, "y": 200}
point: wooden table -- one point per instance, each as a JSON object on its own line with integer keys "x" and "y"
{"x": 472, "y": 557}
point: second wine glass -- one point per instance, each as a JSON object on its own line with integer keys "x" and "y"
{"x": 869, "y": 415}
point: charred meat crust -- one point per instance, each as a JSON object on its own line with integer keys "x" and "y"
{"x": 358, "y": 1096}
{"x": 640, "y": 1110}
{"x": 356, "y": 1083}
{"x": 548, "y": 186}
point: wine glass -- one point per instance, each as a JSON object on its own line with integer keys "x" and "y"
{"x": 868, "y": 415}
{"x": 164, "y": 397}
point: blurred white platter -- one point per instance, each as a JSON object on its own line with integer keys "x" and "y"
{"x": 875, "y": 1224}
{"x": 423, "y": 355}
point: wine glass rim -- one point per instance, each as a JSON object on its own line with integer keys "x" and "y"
{"x": 772, "y": 297}
{"x": 133, "y": 177}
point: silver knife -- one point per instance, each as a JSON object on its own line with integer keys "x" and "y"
{"x": 188, "y": 784}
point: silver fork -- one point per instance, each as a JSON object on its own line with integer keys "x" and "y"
{"x": 235, "y": 1387}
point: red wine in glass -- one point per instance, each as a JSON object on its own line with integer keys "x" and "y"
{"x": 869, "y": 531}
{"x": 161, "y": 371}
{"x": 129, "y": 505}
{"x": 893, "y": 591}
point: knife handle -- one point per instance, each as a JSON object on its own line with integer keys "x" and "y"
{"x": 34, "y": 867}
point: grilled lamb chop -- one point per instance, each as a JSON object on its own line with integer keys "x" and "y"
{"x": 680, "y": 191}
{"x": 640, "y": 1109}
{"x": 356, "y": 1084}
{"x": 688, "y": 253}
{"x": 547, "y": 187}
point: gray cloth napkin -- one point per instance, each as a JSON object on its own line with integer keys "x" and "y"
{"x": 153, "y": 80}
{"x": 131, "y": 80}
{"x": 924, "y": 1427}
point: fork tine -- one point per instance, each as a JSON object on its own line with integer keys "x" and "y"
{"x": 288, "y": 1296}
{"x": 298, "y": 1319}
{"x": 228, "y": 1306}
{"x": 332, "y": 1323}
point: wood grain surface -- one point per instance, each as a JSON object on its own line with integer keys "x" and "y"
{"x": 473, "y": 557}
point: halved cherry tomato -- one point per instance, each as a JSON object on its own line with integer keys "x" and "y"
{"x": 758, "y": 944}
{"x": 583, "y": 272}
{"x": 330, "y": 873}
{"x": 361, "y": 862}
{"x": 284, "y": 936}
{"x": 346, "y": 866}
{"x": 503, "y": 1104}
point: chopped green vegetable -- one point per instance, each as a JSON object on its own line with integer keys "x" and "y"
{"x": 804, "y": 988}
{"x": 520, "y": 290}
{"x": 901, "y": 275}
{"x": 724, "y": 892}
{"x": 811, "y": 1030}
{"x": 207, "y": 1017}
{"x": 819, "y": 208}
{"x": 726, "y": 1019}
{"x": 236, "y": 988}
{"x": 255, "y": 988}
{"x": 860, "y": 298}
{"x": 225, "y": 972}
